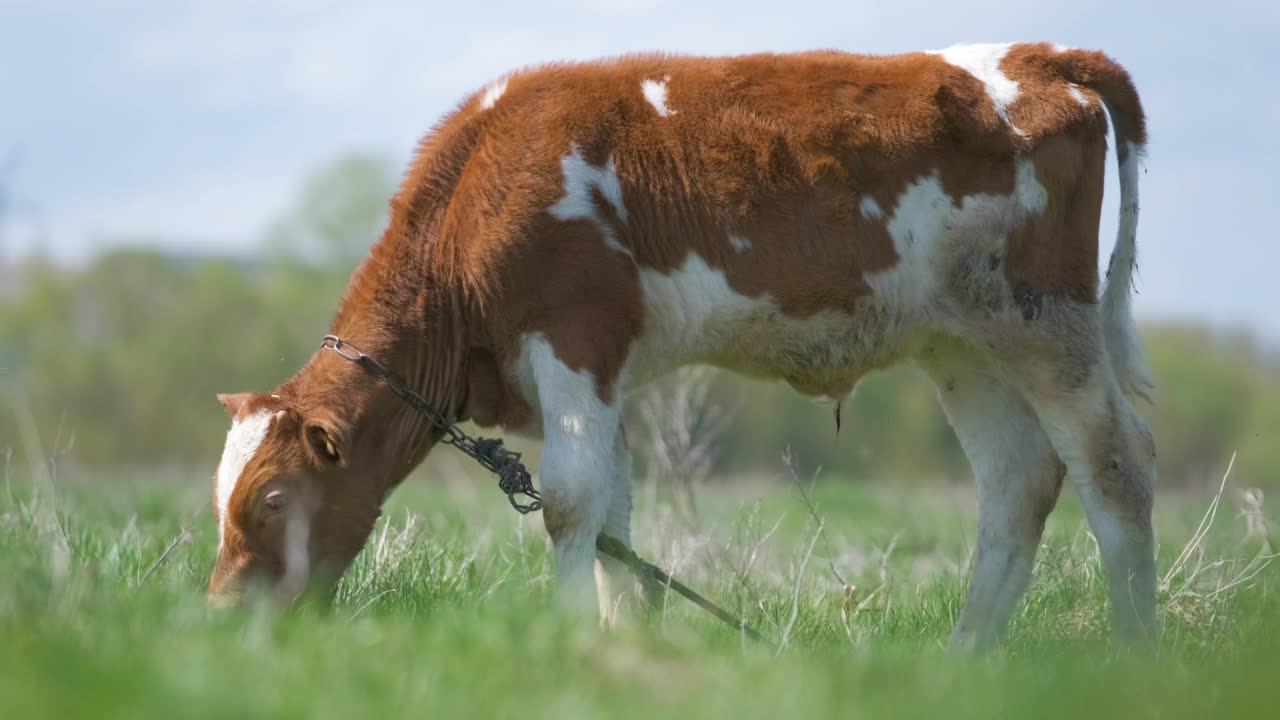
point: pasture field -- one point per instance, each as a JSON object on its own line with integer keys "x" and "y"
{"x": 447, "y": 613}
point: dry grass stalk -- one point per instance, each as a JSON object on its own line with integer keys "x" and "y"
{"x": 44, "y": 508}
{"x": 684, "y": 428}
{"x": 183, "y": 538}
{"x": 1194, "y": 586}
{"x": 795, "y": 590}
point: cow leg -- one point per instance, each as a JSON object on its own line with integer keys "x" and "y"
{"x": 1110, "y": 459}
{"x": 580, "y": 434}
{"x": 1018, "y": 477}
{"x": 613, "y": 580}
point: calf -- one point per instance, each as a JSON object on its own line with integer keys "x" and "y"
{"x": 575, "y": 230}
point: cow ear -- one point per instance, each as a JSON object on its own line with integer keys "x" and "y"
{"x": 234, "y": 402}
{"x": 326, "y": 441}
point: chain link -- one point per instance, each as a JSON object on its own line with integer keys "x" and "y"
{"x": 513, "y": 478}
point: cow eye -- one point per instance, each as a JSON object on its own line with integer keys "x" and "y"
{"x": 274, "y": 502}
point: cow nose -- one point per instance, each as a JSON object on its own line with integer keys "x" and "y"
{"x": 222, "y": 600}
{"x": 227, "y": 584}
{"x": 225, "y": 591}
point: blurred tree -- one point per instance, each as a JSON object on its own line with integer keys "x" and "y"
{"x": 1214, "y": 397}
{"x": 339, "y": 212}
{"x": 128, "y": 353}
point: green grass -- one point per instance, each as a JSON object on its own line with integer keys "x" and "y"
{"x": 448, "y": 614}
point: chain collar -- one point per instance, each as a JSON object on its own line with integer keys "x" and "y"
{"x": 513, "y": 478}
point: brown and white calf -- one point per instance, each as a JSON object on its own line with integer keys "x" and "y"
{"x": 575, "y": 230}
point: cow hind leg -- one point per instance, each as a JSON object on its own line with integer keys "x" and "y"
{"x": 1018, "y": 479}
{"x": 1110, "y": 458}
{"x": 1108, "y": 451}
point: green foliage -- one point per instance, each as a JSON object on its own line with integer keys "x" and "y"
{"x": 121, "y": 362}
{"x": 1217, "y": 395}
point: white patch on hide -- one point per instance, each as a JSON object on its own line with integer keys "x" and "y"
{"x": 580, "y": 178}
{"x": 1032, "y": 197}
{"x": 492, "y": 93}
{"x": 870, "y": 208}
{"x": 924, "y": 217}
{"x": 740, "y": 244}
{"x": 1078, "y": 94}
{"x": 655, "y": 91}
{"x": 693, "y": 315}
{"x": 568, "y": 398}
{"x": 983, "y": 62}
{"x": 243, "y": 441}
{"x": 690, "y": 311}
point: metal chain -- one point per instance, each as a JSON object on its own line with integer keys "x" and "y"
{"x": 513, "y": 478}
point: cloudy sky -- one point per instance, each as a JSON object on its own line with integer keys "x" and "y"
{"x": 195, "y": 121}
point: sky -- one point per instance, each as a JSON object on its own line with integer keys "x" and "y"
{"x": 192, "y": 124}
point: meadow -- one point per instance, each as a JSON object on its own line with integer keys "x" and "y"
{"x": 448, "y": 611}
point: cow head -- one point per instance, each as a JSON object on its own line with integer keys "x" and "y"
{"x": 292, "y": 513}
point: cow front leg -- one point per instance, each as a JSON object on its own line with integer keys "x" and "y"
{"x": 577, "y": 471}
{"x": 613, "y": 579}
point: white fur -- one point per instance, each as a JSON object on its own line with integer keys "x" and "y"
{"x": 870, "y": 208}
{"x": 740, "y": 244}
{"x": 1032, "y": 197}
{"x": 1129, "y": 188}
{"x": 692, "y": 312}
{"x": 655, "y": 91}
{"x": 492, "y": 93}
{"x": 578, "y": 456}
{"x": 918, "y": 221}
{"x": 243, "y": 441}
{"x": 926, "y": 216}
{"x": 1078, "y": 94}
{"x": 693, "y": 315}
{"x": 1123, "y": 344}
{"x": 983, "y": 62}
{"x": 580, "y": 177}
{"x": 567, "y": 398}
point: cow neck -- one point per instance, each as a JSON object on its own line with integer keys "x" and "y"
{"x": 429, "y": 359}
{"x": 411, "y": 326}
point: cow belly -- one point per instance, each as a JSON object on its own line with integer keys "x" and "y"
{"x": 694, "y": 316}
